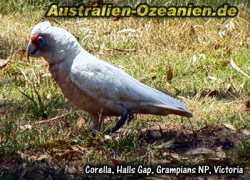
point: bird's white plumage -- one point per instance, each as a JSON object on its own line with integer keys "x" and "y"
{"x": 82, "y": 76}
{"x": 107, "y": 83}
{"x": 40, "y": 27}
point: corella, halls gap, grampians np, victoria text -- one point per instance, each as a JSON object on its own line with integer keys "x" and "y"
{"x": 94, "y": 85}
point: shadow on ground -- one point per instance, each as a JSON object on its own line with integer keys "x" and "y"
{"x": 209, "y": 145}
{"x": 207, "y": 137}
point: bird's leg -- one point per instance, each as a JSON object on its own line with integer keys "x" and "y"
{"x": 94, "y": 124}
{"x": 101, "y": 119}
{"x": 131, "y": 116}
{"x": 127, "y": 116}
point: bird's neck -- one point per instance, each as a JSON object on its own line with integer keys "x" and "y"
{"x": 60, "y": 66}
{"x": 60, "y": 70}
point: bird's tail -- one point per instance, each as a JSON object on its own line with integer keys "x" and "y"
{"x": 159, "y": 103}
{"x": 162, "y": 109}
{"x": 182, "y": 111}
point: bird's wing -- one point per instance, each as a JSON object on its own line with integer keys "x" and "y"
{"x": 104, "y": 82}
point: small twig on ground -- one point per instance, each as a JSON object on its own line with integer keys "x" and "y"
{"x": 50, "y": 120}
{"x": 42, "y": 122}
{"x": 234, "y": 66}
{"x": 121, "y": 50}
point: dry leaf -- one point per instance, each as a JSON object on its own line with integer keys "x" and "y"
{"x": 192, "y": 31}
{"x": 3, "y": 111}
{"x": 80, "y": 122}
{"x": 222, "y": 34}
{"x": 247, "y": 104}
{"x": 3, "y": 62}
{"x": 48, "y": 96}
{"x": 128, "y": 30}
{"x": 220, "y": 153}
{"x": 224, "y": 63}
{"x": 198, "y": 151}
{"x": 245, "y": 132}
{"x": 211, "y": 78}
{"x": 175, "y": 156}
{"x": 107, "y": 137}
{"x": 229, "y": 126}
{"x": 69, "y": 155}
{"x": 165, "y": 154}
{"x": 216, "y": 45}
{"x": 116, "y": 18}
{"x": 21, "y": 53}
{"x": 25, "y": 127}
{"x": 169, "y": 73}
{"x": 116, "y": 162}
{"x": 78, "y": 148}
{"x": 70, "y": 169}
{"x": 209, "y": 93}
{"x": 42, "y": 157}
{"x": 167, "y": 144}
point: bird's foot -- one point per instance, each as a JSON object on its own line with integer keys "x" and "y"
{"x": 94, "y": 132}
{"x": 131, "y": 116}
{"x": 126, "y": 117}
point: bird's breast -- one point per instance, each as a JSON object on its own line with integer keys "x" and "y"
{"x": 75, "y": 95}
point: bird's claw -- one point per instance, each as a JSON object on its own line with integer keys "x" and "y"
{"x": 128, "y": 116}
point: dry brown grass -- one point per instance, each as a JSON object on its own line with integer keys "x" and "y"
{"x": 196, "y": 50}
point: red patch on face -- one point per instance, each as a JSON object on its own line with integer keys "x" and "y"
{"x": 34, "y": 38}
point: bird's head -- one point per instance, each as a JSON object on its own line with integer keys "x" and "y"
{"x": 53, "y": 43}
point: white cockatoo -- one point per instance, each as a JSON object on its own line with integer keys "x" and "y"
{"x": 94, "y": 85}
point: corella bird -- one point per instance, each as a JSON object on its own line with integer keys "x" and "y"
{"x": 94, "y": 85}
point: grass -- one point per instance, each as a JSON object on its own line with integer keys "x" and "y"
{"x": 195, "y": 52}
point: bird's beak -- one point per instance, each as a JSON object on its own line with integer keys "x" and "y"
{"x": 31, "y": 50}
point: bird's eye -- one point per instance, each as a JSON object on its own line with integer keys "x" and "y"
{"x": 42, "y": 42}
